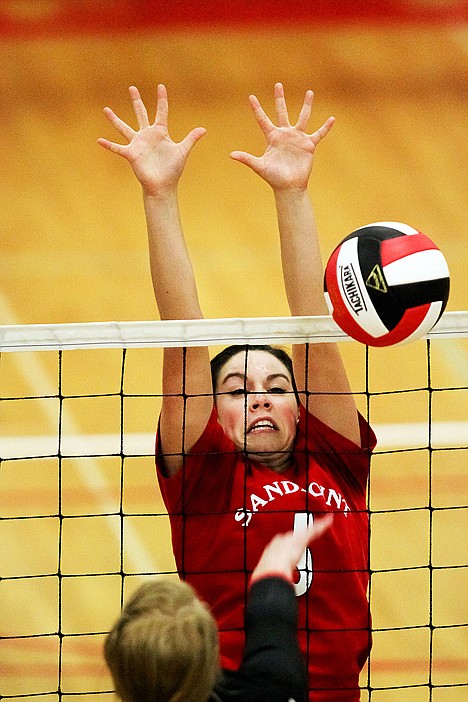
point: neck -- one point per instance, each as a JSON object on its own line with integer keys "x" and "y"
{"x": 278, "y": 462}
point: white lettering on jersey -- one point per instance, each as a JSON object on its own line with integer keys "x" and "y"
{"x": 279, "y": 489}
{"x": 326, "y": 495}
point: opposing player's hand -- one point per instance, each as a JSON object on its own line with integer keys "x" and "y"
{"x": 157, "y": 161}
{"x": 287, "y": 161}
{"x": 283, "y": 553}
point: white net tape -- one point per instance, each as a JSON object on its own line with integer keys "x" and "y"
{"x": 194, "y": 332}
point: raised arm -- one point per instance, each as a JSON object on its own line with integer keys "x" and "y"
{"x": 158, "y": 163}
{"x": 286, "y": 166}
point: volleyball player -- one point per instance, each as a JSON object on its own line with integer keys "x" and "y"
{"x": 164, "y": 645}
{"x": 263, "y": 444}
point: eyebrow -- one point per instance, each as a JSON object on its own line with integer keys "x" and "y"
{"x": 242, "y": 377}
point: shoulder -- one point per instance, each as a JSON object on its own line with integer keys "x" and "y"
{"x": 337, "y": 455}
{"x": 207, "y": 472}
{"x": 315, "y": 432}
{"x": 212, "y": 440}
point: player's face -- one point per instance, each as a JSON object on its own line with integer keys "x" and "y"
{"x": 257, "y": 407}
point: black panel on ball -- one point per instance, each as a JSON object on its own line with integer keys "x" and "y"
{"x": 375, "y": 232}
{"x": 423, "y": 292}
{"x": 387, "y": 306}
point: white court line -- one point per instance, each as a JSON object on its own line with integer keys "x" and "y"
{"x": 35, "y": 374}
{"x": 417, "y": 434}
{"x": 389, "y": 436}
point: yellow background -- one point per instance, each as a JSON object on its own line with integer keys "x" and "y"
{"x": 74, "y": 250}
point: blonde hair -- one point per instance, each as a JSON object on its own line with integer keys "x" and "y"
{"x": 164, "y": 646}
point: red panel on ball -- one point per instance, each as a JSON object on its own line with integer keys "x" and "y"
{"x": 344, "y": 320}
{"x": 330, "y": 277}
{"x": 393, "y": 249}
{"x": 409, "y": 323}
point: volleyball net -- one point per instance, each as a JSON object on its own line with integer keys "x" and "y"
{"x": 82, "y": 520}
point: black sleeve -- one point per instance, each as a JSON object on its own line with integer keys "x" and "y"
{"x": 272, "y": 667}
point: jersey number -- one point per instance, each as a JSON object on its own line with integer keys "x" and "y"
{"x": 301, "y": 521}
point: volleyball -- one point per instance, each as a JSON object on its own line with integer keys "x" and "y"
{"x": 386, "y": 284}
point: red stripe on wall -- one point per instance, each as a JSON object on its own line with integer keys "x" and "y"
{"x": 47, "y": 17}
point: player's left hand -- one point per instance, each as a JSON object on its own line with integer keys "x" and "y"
{"x": 288, "y": 157}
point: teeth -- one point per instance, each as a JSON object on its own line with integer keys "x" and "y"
{"x": 262, "y": 425}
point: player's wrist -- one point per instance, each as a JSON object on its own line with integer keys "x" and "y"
{"x": 155, "y": 193}
{"x": 279, "y": 574}
{"x": 290, "y": 190}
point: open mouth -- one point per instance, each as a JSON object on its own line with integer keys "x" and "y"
{"x": 262, "y": 425}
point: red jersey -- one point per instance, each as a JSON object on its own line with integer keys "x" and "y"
{"x": 224, "y": 508}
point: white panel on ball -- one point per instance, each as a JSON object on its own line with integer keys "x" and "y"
{"x": 416, "y": 267}
{"x": 353, "y": 289}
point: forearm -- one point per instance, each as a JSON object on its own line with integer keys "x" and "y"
{"x": 272, "y": 653}
{"x": 300, "y": 252}
{"x": 303, "y": 279}
{"x": 184, "y": 372}
{"x": 171, "y": 269}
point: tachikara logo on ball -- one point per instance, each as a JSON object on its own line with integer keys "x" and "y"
{"x": 386, "y": 284}
{"x": 376, "y": 280}
{"x": 350, "y": 287}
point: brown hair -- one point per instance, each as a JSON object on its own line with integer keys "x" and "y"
{"x": 164, "y": 646}
{"x": 218, "y": 361}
